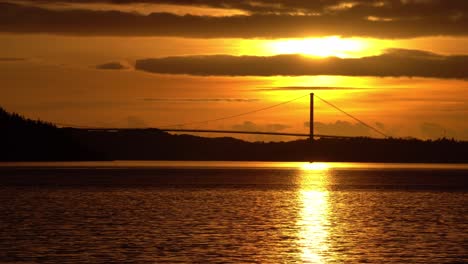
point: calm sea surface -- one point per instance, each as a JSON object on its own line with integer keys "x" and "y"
{"x": 233, "y": 212}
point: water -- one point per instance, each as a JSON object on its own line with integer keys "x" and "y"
{"x": 233, "y": 212}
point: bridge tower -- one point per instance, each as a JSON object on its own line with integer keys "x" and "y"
{"x": 311, "y": 118}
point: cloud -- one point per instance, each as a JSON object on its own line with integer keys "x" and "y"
{"x": 359, "y": 8}
{"x": 251, "y": 126}
{"x": 111, "y": 66}
{"x": 229, "y": 100}
{"x": 136, "y": 122}
{"x": 266, "y": 19}
{"x": 306, "y": 88}
{"x": 342, "y": 128}
{"x": 393, "y": 63}
{"x": 434, "y": 131}
{"x": 271, "y": 127}
{"x": 11, "y": 59}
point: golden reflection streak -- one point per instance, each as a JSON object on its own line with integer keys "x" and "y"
{"x": 313, "y": 218}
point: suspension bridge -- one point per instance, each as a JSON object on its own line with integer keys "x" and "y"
{"x": 312, "y": 135}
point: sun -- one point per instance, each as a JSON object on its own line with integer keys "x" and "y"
{"x": 331, "y": 46}
{"x": 315, "y": 166}
{"x": 321, "y": 47}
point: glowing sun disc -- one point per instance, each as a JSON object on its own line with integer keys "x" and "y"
{"x": 320, "y": 47}
{"x": 315, "y": 166}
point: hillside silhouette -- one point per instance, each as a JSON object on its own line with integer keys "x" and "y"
{"x": 26, "y": 139}
{"x": 23, "y": 139}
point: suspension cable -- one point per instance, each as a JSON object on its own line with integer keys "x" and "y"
{"x": 353, "y": 117}
{"x": 262, "y": 109}
{"x": 237, "y": 115}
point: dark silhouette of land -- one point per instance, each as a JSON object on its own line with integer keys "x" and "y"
{"x": 23, "y": 139}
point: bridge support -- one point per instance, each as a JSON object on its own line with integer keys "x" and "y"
{"x": 311, "y": 118}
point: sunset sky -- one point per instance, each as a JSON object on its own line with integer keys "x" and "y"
{"x": 399, "y": 65}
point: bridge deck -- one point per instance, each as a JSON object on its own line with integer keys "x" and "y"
{"x": 218, "y": 131}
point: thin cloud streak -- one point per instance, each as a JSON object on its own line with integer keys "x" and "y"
{"x": 393, "y": 63}
{"x": 229, "y": 100}
{"x": 11, "y": 59}
{"x": 307, "y": 88}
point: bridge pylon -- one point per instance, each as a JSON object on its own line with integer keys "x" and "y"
{"x": 311, "y": 118}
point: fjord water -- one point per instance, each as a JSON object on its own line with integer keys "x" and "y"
{"x": 233, "y": 212}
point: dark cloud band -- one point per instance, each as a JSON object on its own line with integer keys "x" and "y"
{"x": 361, "y": 20}
{"x": 393, "y": 63}
{"x": 393, "y": 9}
{"x": 111, "y": 66}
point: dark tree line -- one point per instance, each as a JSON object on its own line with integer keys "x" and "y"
{"x": 26, "y": 139}
{"x": 23, "y": 139}
{"x": 154, "y": 144}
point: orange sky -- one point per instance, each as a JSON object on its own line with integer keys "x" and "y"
{"x": 407, "y": 82}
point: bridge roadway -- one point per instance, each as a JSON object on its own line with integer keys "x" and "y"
{"x": 216, "y": 131}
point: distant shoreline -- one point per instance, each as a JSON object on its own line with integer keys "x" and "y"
{"x": 24, "y": 139}
{"x": 158, "y": 145}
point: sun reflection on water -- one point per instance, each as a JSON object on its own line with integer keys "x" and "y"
{"x": 313, "y": 217}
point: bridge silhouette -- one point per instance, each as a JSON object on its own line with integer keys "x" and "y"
{"x": 219, "y": 131}
{"x": 310, "y": 135}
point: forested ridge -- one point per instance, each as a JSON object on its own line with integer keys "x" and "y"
{"x": 23, "y": 139}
